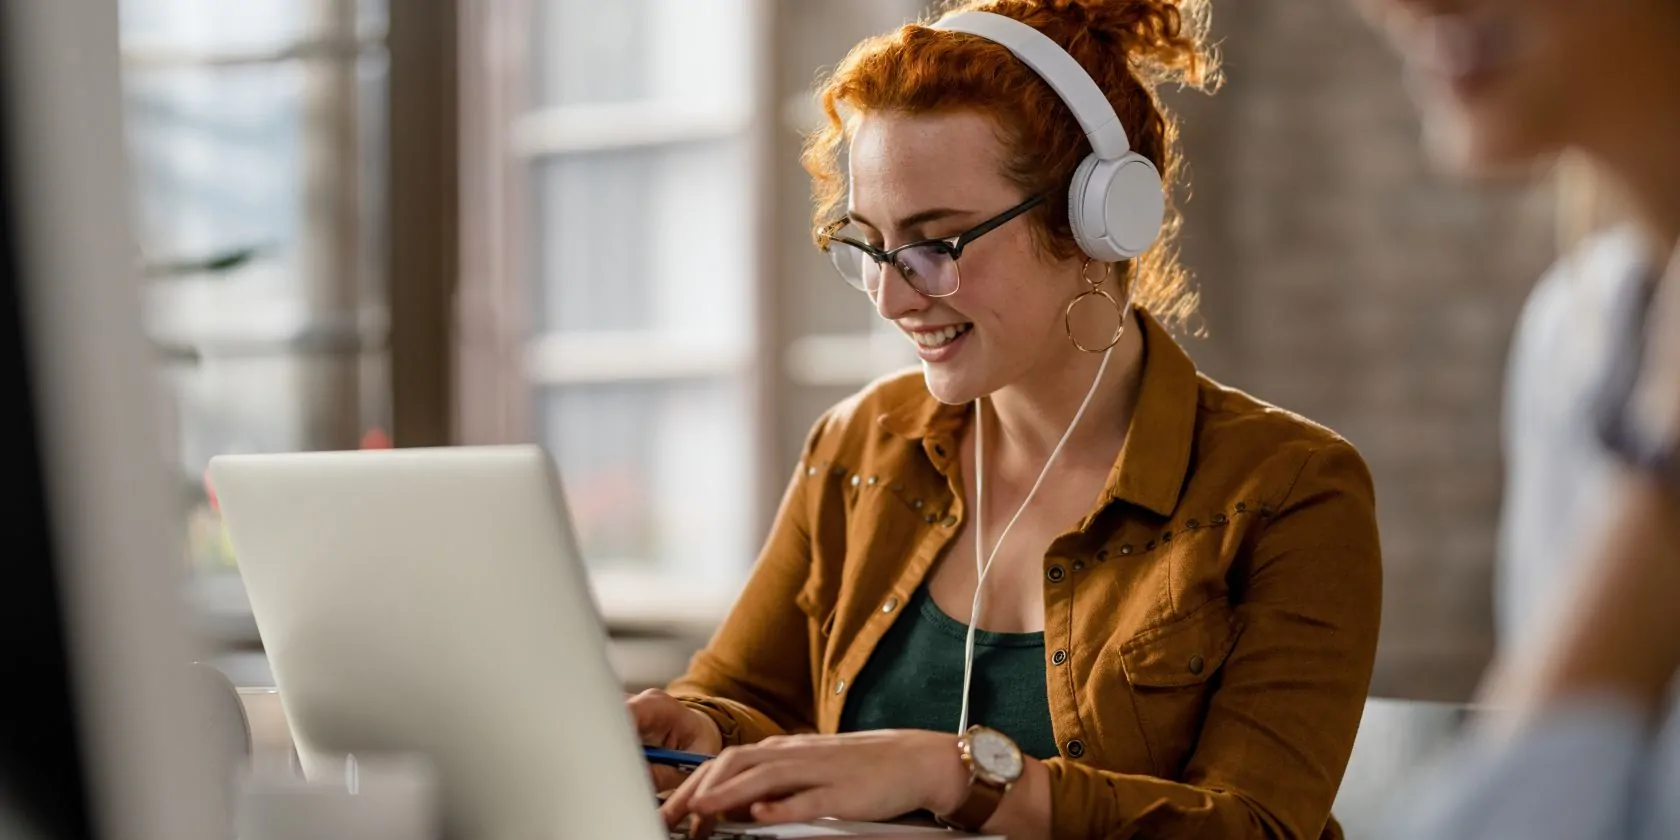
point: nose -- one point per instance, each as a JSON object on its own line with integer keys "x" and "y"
{"x": 894, "y": 299}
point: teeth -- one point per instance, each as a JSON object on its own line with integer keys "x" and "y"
{"x": 939, "y": 338}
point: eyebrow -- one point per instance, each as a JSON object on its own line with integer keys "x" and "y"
{"x": 914, "y": 219}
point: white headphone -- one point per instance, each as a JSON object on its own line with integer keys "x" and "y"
{"x": 1115, "y": 201}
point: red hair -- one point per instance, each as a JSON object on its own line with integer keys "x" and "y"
{"x": 1127, "y": 46}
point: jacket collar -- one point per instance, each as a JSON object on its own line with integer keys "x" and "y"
{"x": 1155, "y": 460}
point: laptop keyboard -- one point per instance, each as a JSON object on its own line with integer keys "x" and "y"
{"x": 682, "y": 833}
{"x": 720, "y": 834}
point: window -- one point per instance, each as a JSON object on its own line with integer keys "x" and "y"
{"x": 637, "y": 145}
{"x": 674, "y": 333}
{"x": 255, "y": 134}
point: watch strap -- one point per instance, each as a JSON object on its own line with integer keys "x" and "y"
{"x": 981, "y": 803}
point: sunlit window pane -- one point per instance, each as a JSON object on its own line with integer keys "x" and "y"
{"x": 656, "y": 473}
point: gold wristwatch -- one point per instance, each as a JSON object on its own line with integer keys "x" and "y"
{"x": 994, "y": 764}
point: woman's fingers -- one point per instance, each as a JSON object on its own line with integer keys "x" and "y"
{"x": 763, "y": 782}
{"x": 700, "y": 826}
{"x": 676, "y": 806}
{"x": 731, "y": 783}
{"x": 652, "y": 712}
{"x": 664, "y": 721}
{"x": 680, "y": 805}
{"x": 804, "y": 806}
{"x": 727, "y": 765}
{"x": 666, "y": 778}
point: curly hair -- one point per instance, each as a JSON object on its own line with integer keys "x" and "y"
{"x": 1129, "y": 47}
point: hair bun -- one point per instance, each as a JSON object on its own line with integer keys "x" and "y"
{"x": 1164, "y": 41}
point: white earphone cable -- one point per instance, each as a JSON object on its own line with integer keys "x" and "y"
{"x": 982, "y": 559}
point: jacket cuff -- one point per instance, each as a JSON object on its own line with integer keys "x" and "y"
{"x": 1087, "y": 802}
{"x": 1080, "y": 801}
{"x": 729, "y": 726}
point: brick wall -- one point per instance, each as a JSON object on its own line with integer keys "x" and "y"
{"x": 1342, "y": 279}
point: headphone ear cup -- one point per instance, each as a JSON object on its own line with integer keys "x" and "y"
{"x": 1135, "y": 204}
{"x": 1115, "y": 207}
{"x": 1087, "y": 231}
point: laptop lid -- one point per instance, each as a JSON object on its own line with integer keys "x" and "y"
{"x": 433, "y": 600}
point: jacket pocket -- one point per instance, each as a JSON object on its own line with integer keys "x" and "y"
{"x": 1172, "y": 672}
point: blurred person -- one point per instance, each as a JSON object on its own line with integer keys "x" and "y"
{"x": 1582, "y": 741}
{"x": 1169, "y": 591}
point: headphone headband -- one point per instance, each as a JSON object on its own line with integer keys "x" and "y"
{"x": 1058, "y": 69}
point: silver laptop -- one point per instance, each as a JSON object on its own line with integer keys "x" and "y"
{"x": 434, "y": 601}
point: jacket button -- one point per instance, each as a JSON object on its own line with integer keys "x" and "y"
{"x": 1242, "y": 507}
{"x": 1149, "y": 546}
{"x": 840, "y": 687}
{"x": 1102, "y": 554}
{"x": 1196, "y": 663}
{"x": 931, "y": 518}
{"x": 949, "y": 521}
{"x": 1075, "y": 748}
{"x": 1079, "y": 565}
{"x": 1126, "y": 549}
{"x": 856, "y": 480}
{"x": 1192, "y": 524}
{"x": 1058, "y": 657}
{"x": 874, "y": 480}
{"x": 1055, "y": 574}
{"x": 810, "y": 470}
{"x": 1219, "y": 519}
{"x": 890, "y": 605}
{"x": 939, "y": 450}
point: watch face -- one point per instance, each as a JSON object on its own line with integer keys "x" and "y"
{"x": 995, "y": 755}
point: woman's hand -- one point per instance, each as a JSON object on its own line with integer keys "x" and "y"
{"x": 664, "y": 721}
{"x": 862, "y": 776}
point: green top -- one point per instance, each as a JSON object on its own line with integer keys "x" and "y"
{"x": 913, "y": 680}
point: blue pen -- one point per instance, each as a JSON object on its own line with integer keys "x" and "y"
{"x": 685, "y": 761}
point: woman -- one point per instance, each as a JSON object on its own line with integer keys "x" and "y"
{"x": 1592, "y": 526}
{"x": 1170, "y": 590}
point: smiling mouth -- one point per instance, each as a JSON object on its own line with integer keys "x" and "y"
{"x": 934, "y": 339}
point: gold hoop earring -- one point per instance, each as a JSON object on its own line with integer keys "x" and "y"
{"x": 1095, "y": 291}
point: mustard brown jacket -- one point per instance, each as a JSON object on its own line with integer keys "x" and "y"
{"x": 1209, "y": 626}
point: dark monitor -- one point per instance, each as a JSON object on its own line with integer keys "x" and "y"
{"x": 97, "y": 709}
{"x": 41, "y": 790}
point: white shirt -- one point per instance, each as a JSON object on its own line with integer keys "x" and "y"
{"x": 1557, "y": 477}
{"x": 1592, "y": 769}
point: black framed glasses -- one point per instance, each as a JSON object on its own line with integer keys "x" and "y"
{"x": 929, "y": 266}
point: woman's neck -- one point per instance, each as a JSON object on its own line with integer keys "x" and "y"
{"x": 1032, "y": 415}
